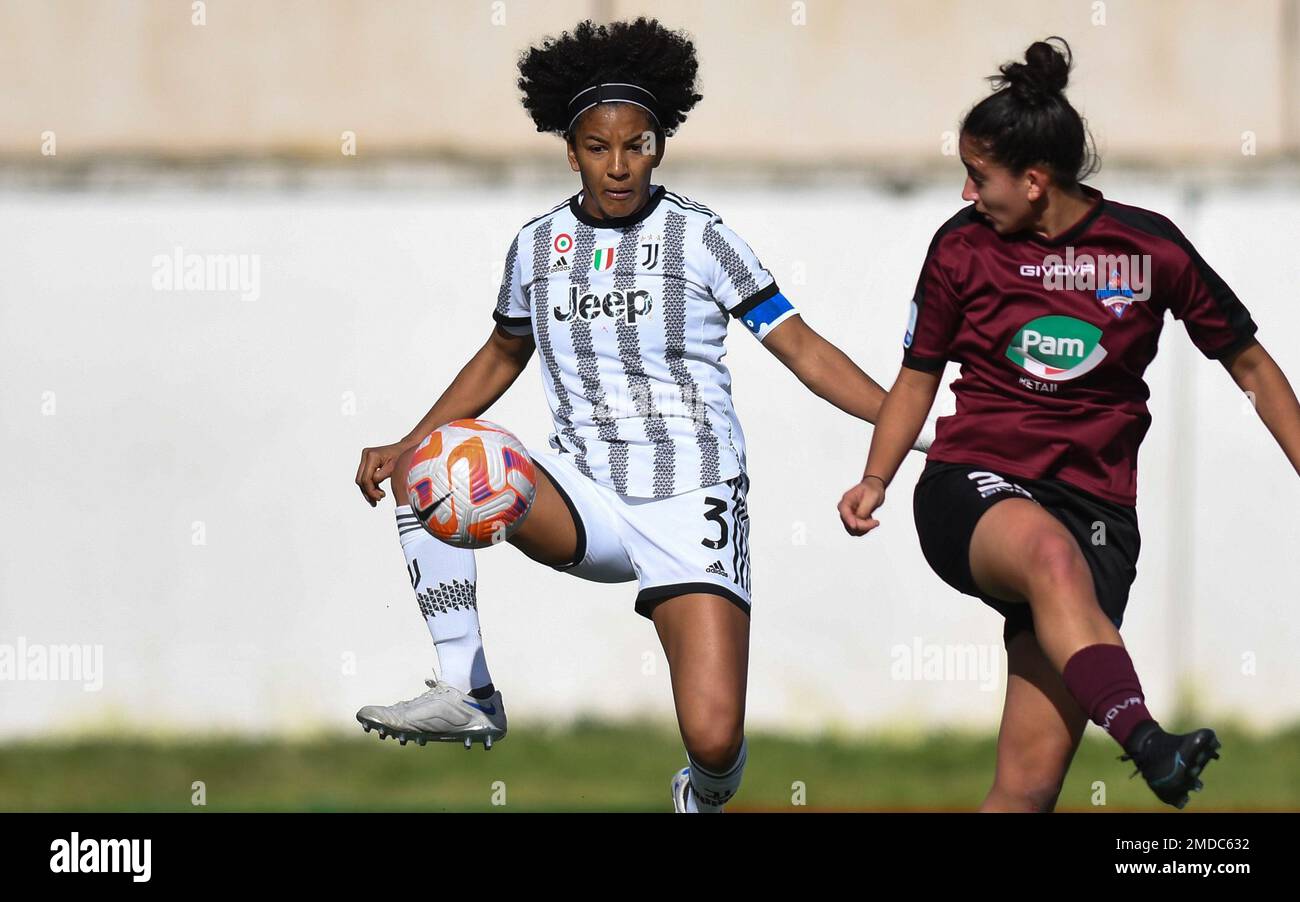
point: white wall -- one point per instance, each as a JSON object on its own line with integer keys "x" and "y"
{"x": 171, "y": 408}
{"x": 817, "y": 83}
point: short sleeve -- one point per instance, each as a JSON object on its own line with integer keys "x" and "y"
{"x": 1217, "y": 322}
{"x": 513, "y": 311}
{"x": 933, "y": 316}
{"x": 739, "y": 282}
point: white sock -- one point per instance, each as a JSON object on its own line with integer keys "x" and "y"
{"x": 711, "y": 791}
{"x": 445, "y": 579}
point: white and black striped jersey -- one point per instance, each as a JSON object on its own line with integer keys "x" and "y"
{"x": 629, "y": 316}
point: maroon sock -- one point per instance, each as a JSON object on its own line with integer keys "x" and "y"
{"x": 1102, "y": 680}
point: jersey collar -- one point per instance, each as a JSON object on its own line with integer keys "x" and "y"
{"x": 1079, "y": 227}
{"x": 617, "y": 222}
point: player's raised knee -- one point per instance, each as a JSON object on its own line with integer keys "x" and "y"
{"x": 1054, "y": 559}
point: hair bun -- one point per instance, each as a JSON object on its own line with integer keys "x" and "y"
{"x": 1028, "y": 121}
{"x": 1044, "y": 73}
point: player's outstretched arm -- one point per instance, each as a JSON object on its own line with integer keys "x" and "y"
{"x": 1258, "y": 374}
{"x": 492, "y": 370}
{"x": 825, "y": 369}
{"x": 901, "y": 418}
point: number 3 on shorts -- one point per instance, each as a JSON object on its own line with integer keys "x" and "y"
{"x": 715, "y": 508}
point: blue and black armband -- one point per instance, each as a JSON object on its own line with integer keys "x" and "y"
{"x": 764, "y": 311}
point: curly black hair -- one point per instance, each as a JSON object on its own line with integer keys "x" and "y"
{"x": 642, "y": 52}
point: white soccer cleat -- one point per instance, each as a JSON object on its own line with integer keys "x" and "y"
{"x": 682, "y": 791}
{"x": 684, "y": 800}
{"x": 441, "y": 714}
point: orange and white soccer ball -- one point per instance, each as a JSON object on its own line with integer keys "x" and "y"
{"x": 471, "y": 483}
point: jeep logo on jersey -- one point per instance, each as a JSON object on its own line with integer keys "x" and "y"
{"x": 624, "y": 305}
{"x": 1057, "y": 348}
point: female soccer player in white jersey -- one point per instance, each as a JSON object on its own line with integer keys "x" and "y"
{"x": 626, "y": 291}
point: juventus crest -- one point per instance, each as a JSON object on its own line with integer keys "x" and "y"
{"x": 649, "y": 257}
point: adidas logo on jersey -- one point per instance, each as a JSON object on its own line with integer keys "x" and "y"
{"x": 560, "y": 265}
{"x": 624, "y": 305}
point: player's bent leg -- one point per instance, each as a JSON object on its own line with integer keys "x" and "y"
{"x": 706, "y": 640}
{"x": 1041, "y": 728}
{"x": 552, "y": 533}
{"x": 549, "y": 534}
{"x": 1021, "y": 553}
{"x": 461, "y": 704}
{"x": 445, "y": 580}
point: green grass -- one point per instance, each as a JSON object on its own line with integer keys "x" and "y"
{"x": 591, "y": 767}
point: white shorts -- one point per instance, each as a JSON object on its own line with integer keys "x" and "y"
{"x": 697, "y": 541}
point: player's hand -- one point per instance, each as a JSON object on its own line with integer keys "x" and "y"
{"x": 859, "y": 503}
{"x": 376, "y": 465}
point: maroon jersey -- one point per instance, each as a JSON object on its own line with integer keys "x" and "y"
{"x": 1054, "y": 337}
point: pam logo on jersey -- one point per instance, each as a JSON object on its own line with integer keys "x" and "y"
{"x": 625, "y": 305}
{"x": 1057, "y": 348}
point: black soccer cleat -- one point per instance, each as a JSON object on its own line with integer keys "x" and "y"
{"x": 1171, "y": 763}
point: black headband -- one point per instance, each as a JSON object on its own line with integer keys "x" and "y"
{"x": 609, "y": 92}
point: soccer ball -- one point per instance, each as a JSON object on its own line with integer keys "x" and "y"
{"x": 471, "y": 483}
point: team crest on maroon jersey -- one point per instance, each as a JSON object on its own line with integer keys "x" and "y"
{"x": 1116, "y": 296}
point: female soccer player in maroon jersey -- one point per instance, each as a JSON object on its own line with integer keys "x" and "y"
{"x": 1052, "y": 298}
